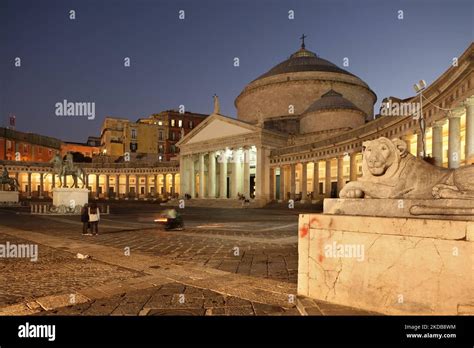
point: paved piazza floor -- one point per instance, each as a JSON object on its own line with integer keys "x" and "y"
{"x": 225, "y": 262}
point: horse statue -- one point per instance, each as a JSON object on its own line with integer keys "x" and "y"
{"x": 6, "y": 180}
{"x": 63, "y": 169}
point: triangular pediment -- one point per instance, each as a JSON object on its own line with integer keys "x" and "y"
{"x": 217, "y": 127}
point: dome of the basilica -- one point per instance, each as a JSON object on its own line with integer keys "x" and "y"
{"x": 303, "y": 60}
{"x": 330, "y": 101}
{"x": 284, "y": 92}
{"x": 332, "y": 111}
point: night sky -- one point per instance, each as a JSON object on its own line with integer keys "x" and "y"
{"x": 186, "y": 61}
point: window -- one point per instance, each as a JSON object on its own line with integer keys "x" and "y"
{"x": 9, "y": 145}
{"x": 160, "y": 123}
{"x": 172, "y": 123}
{"x": 160, "y": 158}
{"x": 160, "y": 135}
{"x": 190, "y": 124}
{"x": 173, "y": 136}
{"x": 173, "y": 149}
{"x": 180, "y": 123}
{"x": 160, "y": 149}
{"x": 134, "y": 133}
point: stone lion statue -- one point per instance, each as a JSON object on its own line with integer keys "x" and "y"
{"x": 390, "y": 171}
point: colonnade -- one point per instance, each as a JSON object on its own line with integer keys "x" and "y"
{"x": 225, "y": 173}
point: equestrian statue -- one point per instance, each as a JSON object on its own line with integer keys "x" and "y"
{"x": 64, "y": 168}
{"x": 6, "y": 180}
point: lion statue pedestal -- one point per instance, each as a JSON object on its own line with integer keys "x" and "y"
{"x": 398, "y": 241}
{"x": 70, "y": 197}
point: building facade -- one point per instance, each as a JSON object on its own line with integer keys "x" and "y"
{"x": 172, "y": 125}
{"x": 154, "y": 137}
{"x": 84, "y": 149}
{"x": 120, "y": 136}
{"x": 26, "y": 147}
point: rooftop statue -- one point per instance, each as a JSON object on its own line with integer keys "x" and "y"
{"x": 390, "y": 171}
{"x": 217, "y": 109}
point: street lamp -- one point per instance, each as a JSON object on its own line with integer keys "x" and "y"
{"x": 419, "y": 87}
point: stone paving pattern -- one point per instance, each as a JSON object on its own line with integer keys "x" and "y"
{"x": 54, "y": 272}
{"x": 266, "y": 239}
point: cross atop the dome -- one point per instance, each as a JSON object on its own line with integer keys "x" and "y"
{"x": 302, "y": 40}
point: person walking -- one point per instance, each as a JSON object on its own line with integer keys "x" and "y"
{"x": 85, "y": 219}
{"x": 94, "y": 218}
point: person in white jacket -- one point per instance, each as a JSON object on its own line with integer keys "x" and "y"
{"x": 94, "y": 218}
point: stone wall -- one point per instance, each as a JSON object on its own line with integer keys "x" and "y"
{"x": 403, "y": 266}
{"x": 289, "y": 125}
{"x": 330, "y": 119}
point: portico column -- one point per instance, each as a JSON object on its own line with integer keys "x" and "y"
{"x": 117, "y": 185}
{"x": 127, "y": 184}
{"x": 469, "y": 104}
{"x": 340, "y": 174}
{"x": 454, "y": 140}
{"x": 353, "y": 166}
{"x": 107, "y": 185}
{"x": 272, "y": 183}
{"x": 292, "y": 180}
{"x": 173, "y": 183}
{"x": 282, "y": 185}
{"x": 41, "y": 190}
{"x": 262, "y": 174}
{"x": 29, "y": 185}
{"x": 137, "y": 186}
{"x": 234, "y": 181}
{"x": 316, "y": 180}
{"x": 327, "y": 179}
{"x": 437, "y": 142}
{"x": 246, "y": 172}
{"x": 211, "y": 189}
{"x": 201, "y": 175}
{"x": 182, "y": 177}
{"x": 304, "y": 181}
{"x": 146, "y": 185}
{"x": 192, "y": 178}
{"x": 97, "y": 186}
{"x": 223, "y": 176}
